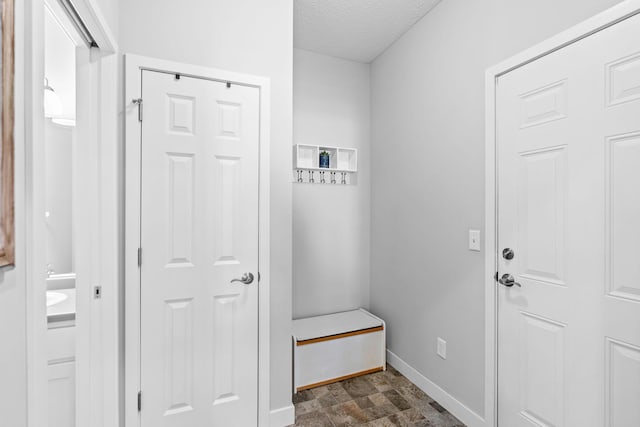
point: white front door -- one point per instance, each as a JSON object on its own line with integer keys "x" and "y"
{"x": 199, "y": 231}
{"x": 568, "y": 135}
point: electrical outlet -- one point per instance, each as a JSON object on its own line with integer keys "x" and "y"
{"x": 442, "y": 348}
{"x": 474, "y": 240}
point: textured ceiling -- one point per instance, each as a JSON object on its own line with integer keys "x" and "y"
{"x": 358, "y": 30}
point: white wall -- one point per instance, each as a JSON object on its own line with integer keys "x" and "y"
{"x": 248, "y": 36}
{"x": 331, "y": 222}
{"x": 59, "y": 185}
{"x": 109, "y": 10}
{"x": 428, "y": 189}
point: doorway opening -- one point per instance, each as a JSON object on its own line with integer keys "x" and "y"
{"x": 75, "y": 218}
{"x": 65, "y": 39}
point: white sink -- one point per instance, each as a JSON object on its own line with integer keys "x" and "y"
{"x": 54, "y": 298}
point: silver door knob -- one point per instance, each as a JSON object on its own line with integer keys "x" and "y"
{"x": 246, "y": 279}
{"x": 508, "y": 253}
{"x": 508, "y": 281}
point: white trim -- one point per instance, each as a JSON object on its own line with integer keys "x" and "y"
{"x": 96, "y": 23}
{"x": 592, "y": 25}
{"x": 110, "y": 166}
{"x": 97, "y": 240}
{"x": 29, "y": 32}
{"x": 62, "y": 19}
{"x": 490, "y": 260}
{"x": 94, "y": 20}
{"x": 133, "y": 68}
{"x": 85, "y": 228}
{"x": 447, "y": 401}
{"x": 282, "y": 417}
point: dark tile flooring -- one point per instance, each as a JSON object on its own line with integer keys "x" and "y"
{"x": 382, "y": 399}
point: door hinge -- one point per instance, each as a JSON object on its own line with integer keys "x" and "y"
{"x": 495, "y": 277}
{"x": 138, "y": 102}
{"x": 139, "y": 257}
{"x": 139, "y": 401}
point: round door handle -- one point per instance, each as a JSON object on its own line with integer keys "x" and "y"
{"x": 508, "y": 281}
{"x": 246, "y": 279}
{"x": 508, "y": 253}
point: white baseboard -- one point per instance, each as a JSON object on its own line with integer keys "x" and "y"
{"x": 450, "y": 403}
{"x": 282, "y": 417}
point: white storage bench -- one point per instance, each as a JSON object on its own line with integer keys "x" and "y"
{"x": 337, "y": 346}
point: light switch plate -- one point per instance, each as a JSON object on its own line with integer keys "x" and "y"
{"x": 442, "y": 348}
{"x": 474, "y": 240}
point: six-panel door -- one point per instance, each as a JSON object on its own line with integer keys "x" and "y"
{"x": 199, "y": 217}
{"x": 569, "y": 206}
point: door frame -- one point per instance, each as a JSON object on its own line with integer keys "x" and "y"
{"x": 605, "y": 19}
{"x": 97, "y": 402}
{"x": 134, "y": 65}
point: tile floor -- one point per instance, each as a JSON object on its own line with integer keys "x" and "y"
{"x": 382, "y": 399}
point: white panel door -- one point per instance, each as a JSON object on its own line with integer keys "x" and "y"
{"x": 199, "y": 231}
{"x": 568, "y": 135}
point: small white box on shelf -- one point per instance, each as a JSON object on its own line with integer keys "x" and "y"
{"x": 337, "y": 346}
{"x": 305, "y": 156}
{"x": 347, "y": 159}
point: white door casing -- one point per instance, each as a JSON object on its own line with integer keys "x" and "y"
{"x": 568, "y": 167}
{"x": 135, "y": 66}
{"x": 199, "y": 230}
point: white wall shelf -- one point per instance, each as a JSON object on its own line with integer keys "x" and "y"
{"x": 307, "y": 157}
{"x": 343, "y": 162}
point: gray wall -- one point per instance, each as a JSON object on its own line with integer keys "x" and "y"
{"x": 331, "y": 106}
{"x": 247, "y": 36}
{"x": 428, "y": 186}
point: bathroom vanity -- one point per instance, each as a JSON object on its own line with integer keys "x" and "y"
{"x": 61, "y": 306}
